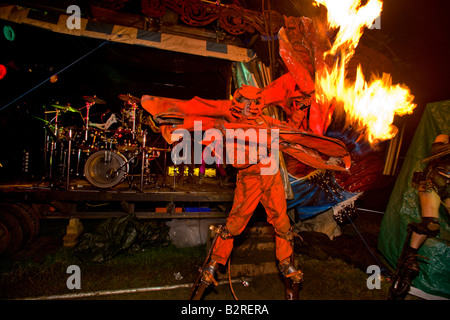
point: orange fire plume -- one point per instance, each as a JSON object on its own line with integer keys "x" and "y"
{"x": 371, "y": 105}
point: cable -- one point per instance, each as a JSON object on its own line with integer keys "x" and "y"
{"x": 229, "y": 279}
{"x": 40, "y": 84}
{"x": 364, "y": 241}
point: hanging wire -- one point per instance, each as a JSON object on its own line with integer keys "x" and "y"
{"x": 63, "y": 69}
{"x": 383, "y": 270}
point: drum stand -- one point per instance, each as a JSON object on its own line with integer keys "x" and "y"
{"x": 50, "y": 144}
{"x": 133, "y": 117}
{"x": 69, "y": 153}
{"x": 144, "y": 165}
{"x": 88, "y": 107}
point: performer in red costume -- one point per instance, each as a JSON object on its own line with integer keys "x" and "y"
{"x": 253, "y": 187}
{"x": 244, "y": 111}
{"x": 301, "y": 136}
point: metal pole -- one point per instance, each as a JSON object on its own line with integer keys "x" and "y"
{"x": 125, "y": 291}
{"x": 144, "y": 153}
{"x": 68, "y": 159}
{"x": 88, "y": 106}
{"x": 134, "y": 120}
{"x": 165, "y": 164}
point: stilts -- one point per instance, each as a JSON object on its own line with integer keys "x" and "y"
{"x": 206, "y": 272}
{"x": 292, "y": 277}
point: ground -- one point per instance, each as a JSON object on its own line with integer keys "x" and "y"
{"x": 333, "y": 270}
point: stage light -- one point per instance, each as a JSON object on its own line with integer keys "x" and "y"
{"x": 2, "y": 71}
{"x": 9, "y": 33}
{"x": 53, "y": 78}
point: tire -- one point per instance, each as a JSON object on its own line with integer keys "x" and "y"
{"x": 27, "y": 219}
{"x": 11, "y": 234}
{"x": 32, "y": 218}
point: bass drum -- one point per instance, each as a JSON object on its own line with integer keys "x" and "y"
{"x": 106, "y": 168}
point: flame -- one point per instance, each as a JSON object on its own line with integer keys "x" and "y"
{"x": 351, "y": 19}
{"x": 373, "y": 104}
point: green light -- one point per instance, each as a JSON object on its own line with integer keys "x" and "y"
{"x": 8, "y": 32}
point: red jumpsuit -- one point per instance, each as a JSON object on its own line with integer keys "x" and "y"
{"x": 251, "y": 188}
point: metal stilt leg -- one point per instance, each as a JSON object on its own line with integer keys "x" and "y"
{"x": 292, "y": 277}
{"x": 199, "y": 286}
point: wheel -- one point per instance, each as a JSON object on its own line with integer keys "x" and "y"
{"x": 28, "y": 220}
{"x": 32, "y": 217}
{"x": 4, "y": 237}
{"x": 11, "y": 234}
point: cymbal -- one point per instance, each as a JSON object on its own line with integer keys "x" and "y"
{"x": 65, "y": 108}
{"x": 45, "y": 121}
{"x": 94, "y": 99}
{"x": 48, "y": 122}
{"x": 129, "y": 97}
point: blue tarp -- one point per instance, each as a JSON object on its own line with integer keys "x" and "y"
{"x": 317, "y": 193}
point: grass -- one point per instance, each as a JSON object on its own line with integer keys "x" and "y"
{"x": 46, "y": 275}
{"x": 324, "y": 280}
{"x": 336, "y": 280}
{"x": 27, "y": 278}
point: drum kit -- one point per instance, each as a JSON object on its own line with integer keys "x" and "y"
{"x": 106, "y": 153}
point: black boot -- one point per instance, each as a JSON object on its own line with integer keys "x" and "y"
{"x": 411, "y": 263}
{"x": 407, "y": 270}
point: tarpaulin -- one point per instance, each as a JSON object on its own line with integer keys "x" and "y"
{"x": 404, "y": 207}
{"x": 114, "y": 236}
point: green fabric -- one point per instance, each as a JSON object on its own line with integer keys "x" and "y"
{"x": 243, "y": 76}
{"x": 403, "y": 208}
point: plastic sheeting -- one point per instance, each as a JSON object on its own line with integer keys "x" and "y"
{"x": 190, "y": 232}
{"x": 403, "y": 208}
{"x": 114, "y": 236}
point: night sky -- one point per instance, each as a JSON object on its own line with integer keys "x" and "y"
{"x": 420, "y": 34}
